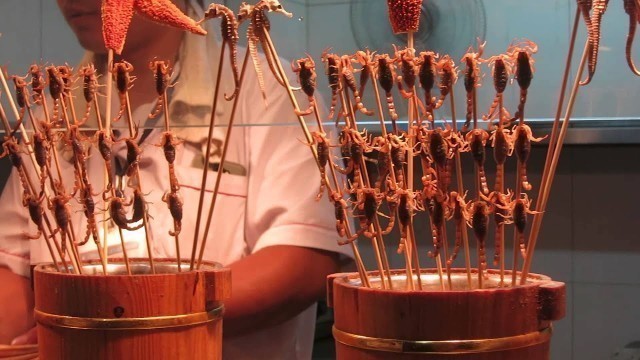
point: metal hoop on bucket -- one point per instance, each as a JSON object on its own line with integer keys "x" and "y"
{"x": 443, "y": 346}
{"x": 156, "y": 322}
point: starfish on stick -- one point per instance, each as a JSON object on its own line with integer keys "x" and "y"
{"x": 117, "y": 14}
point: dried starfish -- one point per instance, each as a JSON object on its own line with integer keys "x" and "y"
{"x": 117, "y": 14}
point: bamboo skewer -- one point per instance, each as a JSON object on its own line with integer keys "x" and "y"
{"x": 205, "y": 169}
{"x": 358, "y": 259}
{"x": 465, "y": 235}
{"x": 548, "y": 180}
{"x": 223, "y": 156}
{"x": 500, "y": 228}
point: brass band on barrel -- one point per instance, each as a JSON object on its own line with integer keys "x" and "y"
{"x": 156, "y": 322}
{"x": 443, "y": 346}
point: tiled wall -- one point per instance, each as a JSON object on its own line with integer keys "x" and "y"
{"x": 590, "y": 235}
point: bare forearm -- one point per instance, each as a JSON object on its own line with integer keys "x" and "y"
{"x": 275, "y": 284}
{"x": 16, "y": 305}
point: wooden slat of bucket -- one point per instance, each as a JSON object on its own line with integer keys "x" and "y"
{"x": 441, "y": 316}
{"x": 125, "y": 297}
{"x": 12, "y": 351}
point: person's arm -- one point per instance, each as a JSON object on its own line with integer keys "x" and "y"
{"x": 275, "y": 284}
{"x": 16, "y": 305}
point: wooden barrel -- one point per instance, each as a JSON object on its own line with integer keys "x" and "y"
{"x": 166, "y": 315}
{"x": 506, "y": 323}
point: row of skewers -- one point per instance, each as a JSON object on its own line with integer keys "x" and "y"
{"x": 436, "y": 148}
{"x": 51, "y": 130}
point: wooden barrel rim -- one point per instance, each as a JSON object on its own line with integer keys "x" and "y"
{"x": 155, "y": 322}
{"x": 443, "y": 346}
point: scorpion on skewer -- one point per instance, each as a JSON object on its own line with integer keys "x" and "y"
{"x": 350, "y": 80}
{"x": 168, "y": 144}
{"x": 398, "y": 154}
{"x": 229, "y": 32}
{"x": 365, "y": 58}
{"x": 139, "y": 206}
{"x": 501, "y": 65}
{"x": 307, "y": 77}
{"x": 257, "y": 34}
{"x": 56, "y": 88}
{"x": 448, "y": 73}
{"x": 162, "y": 77}
{"x": 340, "y": 207}
{"x": 36, "y": 212}
{"x": 441, "y": 146}
{"x": 502, "y": 143}
{"x": 118, "y": 214}
{"x": 472, "y": 77}
{"x": 439, "y": 212}
{"x": 458, "y": 212}
{"x": 407, "y": 205}
{"x": 479, "y": 221}
{"x": 122, "y": 74}
{"x": 333, "y": 74}
{"x": 12, "y": 149}
{"x": 523, "y": 136}
{"x": 500, "y": 203}
{"x": 37, "y": 83}
{"x": 59, "y": 206}
{"x": 522, "y": 57}
{"x": 89, "y": 206}
{"x": 174, "y": 203}
{"x": 89, "y": 88}
{"x": 133, "y": 159}
{"x": 22, "y": 95}
{"x": 320, "y": 140}
{"x": 519, "y": 210}
{"x": 476, "y": 143}
{"x": 105, "y": 142}
{"x": 382, "y": 145}
{"x": 368, "y": 201}
{"x": 386, "y": 77}
{"x": 427, "y": 76}
{"x": 357, "y": 145}
{"x": 409, "y": 69}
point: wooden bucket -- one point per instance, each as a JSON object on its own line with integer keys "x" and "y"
{"x": 508, "y": 323}
{"x": 167, "y": 315}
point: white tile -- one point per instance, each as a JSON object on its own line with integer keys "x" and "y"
{"x": 605, "y": 319}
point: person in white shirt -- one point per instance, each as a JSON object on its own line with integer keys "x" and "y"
{"x": 267, "y": 227}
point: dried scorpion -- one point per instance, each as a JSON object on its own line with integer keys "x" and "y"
{"x": 37, "y": 83}
{"x": 472, "y": 77}
{"x": 105, "y": 142}
{"x": 365, "y": 58}
{"x": 441, "y": 146}
{"x": 59, "y": 206}
{"x": 500, "y": 203}
{"x": 382, "y": 145}
{"x": 333, "y": 74}
{"x": 162, "y": 77}
{"x": 368, "y": 201}
{"x": 479, "y": 221}
{"x": 133, "y": 158}
{"x": 174, "y": 203}
{"x": 307, "y": 78}
{"x": 22, "y": 94}
{"x": 438, "y": 213}
{"x": 357, "y": 145}
{"x": 522, "y": 55}
{"x": 519, "y": 210}
{"x": 118, "y": 213}
{"x": 168, "y": 144}
{"x": 386, "y": 77}
{"x": 89, "y": 206}
{"x": 409, "y": 69}
{"x": 599, "y": 7}
{"x": 427, "y": 77}
{"x": 407, "y": 205}
{"x": 89, "y": 88}
{"x": 12, "y": 149}
{"x": 56, "y": 88}
{"x": 523, "y": 136}
{"x": 458, "y": 212}
{"x": 229, "y": 32}
{"x": 340, "y": 207}
{"x": 257, "y": 34}
{"x": 632, "y": 8}
{"x": 320, "y": 140}
{"x": 36, "y": 212}
{"x": 501, "y": 71}
{"x": 122, "y": 74}
{"x": 502, "y": 144}
{"x": 477, "y": 141}
{"x": 448, "y": 73}
{"x": 350, "y": 80}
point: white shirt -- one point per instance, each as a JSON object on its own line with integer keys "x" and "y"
{"x": 273, "y": 204}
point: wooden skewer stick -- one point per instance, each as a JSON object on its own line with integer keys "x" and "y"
{"x": 548, "y": 180}
{"x": 145, "y": 216}
{"x": 500, "y": 228}
{"x": 365, "y": 182}
{"x": 556, "y": 122}
{"x": 223, "y": 157}
{"x": 33, "y": 160}
{"x": 32, "y": 191}
{"x": 359, "y": 263}
{"x": 205, "y": 169}
{"x": 465, "y": 235}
